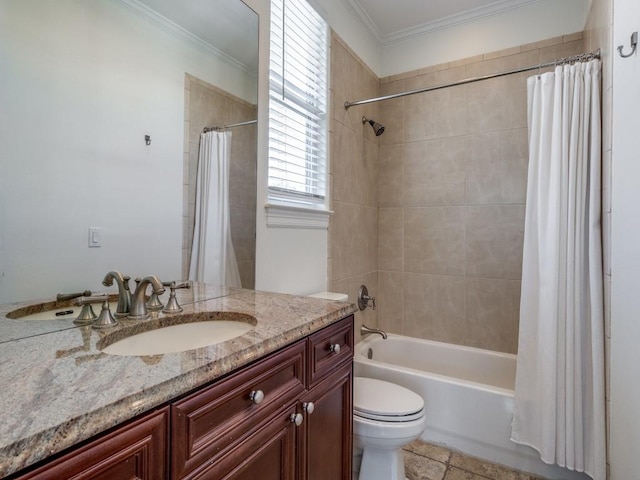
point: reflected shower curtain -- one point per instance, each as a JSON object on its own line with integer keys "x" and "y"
{"x": 213, "y": 259}
{"x": 560, "y": 396}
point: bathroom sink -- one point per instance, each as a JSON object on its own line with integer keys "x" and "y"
{"x": 214, "y": 328}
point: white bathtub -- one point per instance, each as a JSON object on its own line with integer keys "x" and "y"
{"x": 468, "y": 395}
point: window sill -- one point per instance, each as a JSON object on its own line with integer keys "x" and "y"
{"x": 288, "y": 216}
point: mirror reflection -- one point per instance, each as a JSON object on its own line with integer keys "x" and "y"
{"x": 103, "y": 103}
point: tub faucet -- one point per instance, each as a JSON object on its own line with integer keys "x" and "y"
{"x": 138, "y": 301}
{"x": 124, "y": 294}
{"x": 364, "y": 330}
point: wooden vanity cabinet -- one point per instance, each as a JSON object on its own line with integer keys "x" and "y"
{"x": 300, "y": 429}
{"x": 288, "y": 416}
{"x": 135, "y": 450}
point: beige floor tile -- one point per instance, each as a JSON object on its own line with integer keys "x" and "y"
{"x": 454, "y": 473}
{"x": 418, "y": 467}
{"x": 434, "y": 452}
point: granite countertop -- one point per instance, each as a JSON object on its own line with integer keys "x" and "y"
{"x": 58, "y": 388}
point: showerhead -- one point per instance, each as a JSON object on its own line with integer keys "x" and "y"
{"x": 378, "y": 128}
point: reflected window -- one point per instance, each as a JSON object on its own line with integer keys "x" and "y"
{"x": 298, "y": 79}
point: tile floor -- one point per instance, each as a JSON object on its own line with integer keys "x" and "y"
{"x": 424, "y": 461}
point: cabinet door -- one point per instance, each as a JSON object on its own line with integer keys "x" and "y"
{"x": 267, "y": 454}
{"x": 325, "y": 443}
{"x": 136, "y": 450}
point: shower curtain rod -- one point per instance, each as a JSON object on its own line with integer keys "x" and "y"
{"x": 240, "y": 124}
{"x": 583, "y": 57}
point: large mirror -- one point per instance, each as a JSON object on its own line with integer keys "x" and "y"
{"x": 101, "y": 107}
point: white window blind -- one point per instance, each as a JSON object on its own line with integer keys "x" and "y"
{"x": 297, "y": 104}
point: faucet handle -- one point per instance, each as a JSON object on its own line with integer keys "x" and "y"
{"x": 87, "y": 315}
{"x": 176, "y": 286}
{"x": 364, "y": 298}
{"x": 61, "y": 297}
{"x": 172, "y": 304}
{"x": 105, "y": 319}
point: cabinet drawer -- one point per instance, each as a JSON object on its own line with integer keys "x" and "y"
{"x": 210, "y": 422}
{"x": 324, "y": 356}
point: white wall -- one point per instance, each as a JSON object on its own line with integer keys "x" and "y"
{"x": 82, "y": 83}
{"x": 625, "y": 250}
{"x": 531, "y": 23}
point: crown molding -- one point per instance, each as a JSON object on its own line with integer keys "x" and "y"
{"x": 141, "y": 10}
{"x": 494, "y": 8}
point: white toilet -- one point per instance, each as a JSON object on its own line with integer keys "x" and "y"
{"x": 386, "y": 417}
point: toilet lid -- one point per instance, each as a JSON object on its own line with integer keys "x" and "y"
{"x": 380, "y": 400}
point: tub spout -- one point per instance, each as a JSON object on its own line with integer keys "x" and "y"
{"x": 364, "y": 330}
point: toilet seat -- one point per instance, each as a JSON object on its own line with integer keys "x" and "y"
{"x": 375, "y": 399}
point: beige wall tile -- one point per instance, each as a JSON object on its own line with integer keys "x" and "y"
{"x": 494, "y": 238}
{"x": 347, "y": 151}
{"x": 390, "y": 176}
{"x": 390, "y": 301}
{"x": 498, "y": 104}
{"x": 434, "y": 307}
{"x": 440, "y": 113}
{"x": 436, "y": 77}
{"x": 392, "y": 117}
{"x": 434, "y": 172}
{"x": 434, "y": 240}
{"x": 493, "y": 310}
{"x": 555, "y": 52}
{"x": 497, "y": 167}
{"x": 390, "y": 238}
{"x": 354, "y": 239}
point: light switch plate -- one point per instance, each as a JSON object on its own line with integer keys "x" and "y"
{"x": 95, "y": 237}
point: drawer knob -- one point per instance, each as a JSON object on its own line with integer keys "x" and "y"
{"x": 256, "y": 396}
{"x": 308, "y": 407}
{"x": 335, "y": 348}
{"x": 296, "y": 418}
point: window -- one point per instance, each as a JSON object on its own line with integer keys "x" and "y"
{"x": 298, "y": 72}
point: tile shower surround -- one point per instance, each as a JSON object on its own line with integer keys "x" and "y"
{"x": 431, "y": 213}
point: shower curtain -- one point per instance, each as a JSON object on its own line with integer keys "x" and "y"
{"x": 560, "y": 395}
{"x": 213, "y": 259}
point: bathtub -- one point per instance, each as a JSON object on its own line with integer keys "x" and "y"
{"x": 468, "y": 394}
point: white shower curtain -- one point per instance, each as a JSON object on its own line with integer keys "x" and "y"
{"x": 213, "y": 259}
{"x": 560, "y": 395}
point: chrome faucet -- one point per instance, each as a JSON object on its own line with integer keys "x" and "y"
{"x": 138, "y": 309}
{"x": 364, "y": 330}
{"x": 124, "y": 294}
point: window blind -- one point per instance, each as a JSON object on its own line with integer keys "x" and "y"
{"x": 298, "y": 69}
